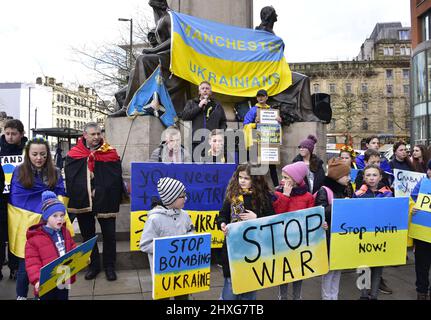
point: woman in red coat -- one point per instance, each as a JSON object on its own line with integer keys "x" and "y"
{"x": 46, "y": 242}
{"x": 294, "y": 196}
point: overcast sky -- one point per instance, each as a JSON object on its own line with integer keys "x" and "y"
{"x": 36, "y": 37}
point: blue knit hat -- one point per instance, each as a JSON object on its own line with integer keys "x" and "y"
{"x": 51, "y": 205}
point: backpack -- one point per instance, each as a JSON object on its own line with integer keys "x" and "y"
{"x": 329, "y": 193}
{"x": 241, "y": 109}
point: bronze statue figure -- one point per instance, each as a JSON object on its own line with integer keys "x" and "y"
{"x": 268, "y": 17}
{"x": 150, "y": 58}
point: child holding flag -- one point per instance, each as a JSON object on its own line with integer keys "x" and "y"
{"x": 46, "y": 242}
{"x": 292, "y": 196}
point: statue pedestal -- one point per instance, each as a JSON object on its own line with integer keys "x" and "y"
{"x": 298, "y": 131}
{"x": 144, "y": 134}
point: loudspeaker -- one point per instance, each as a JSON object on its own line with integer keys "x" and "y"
{"x": 322, "y": 106}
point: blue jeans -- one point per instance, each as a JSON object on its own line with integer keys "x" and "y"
{"x": 227, "y": 293}
{"x": 21, "y": 279}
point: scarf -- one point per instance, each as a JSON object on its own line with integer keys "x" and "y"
{"x": 105, "y": 153}
{"x": 237, "y": 205}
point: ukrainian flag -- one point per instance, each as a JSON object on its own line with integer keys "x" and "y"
{"x": 25, "y": 210}
{"x": 235, "y": 61}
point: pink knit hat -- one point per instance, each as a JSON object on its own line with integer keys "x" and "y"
{"x": 297, "y": 171}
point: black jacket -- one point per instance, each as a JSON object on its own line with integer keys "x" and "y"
{"x": 216, "y": 116}
{"x": 395, "y": 164}
{"x": 319, "y": 174}
{"x": 339, "y": 191}
{"x": 225, "y": 216}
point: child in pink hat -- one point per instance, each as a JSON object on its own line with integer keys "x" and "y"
{"x": 293, "y": 196}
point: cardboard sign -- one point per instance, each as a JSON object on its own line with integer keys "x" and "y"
{"x": 9, "y": 163}
{"x": 205, "y": 187}
{"x": 405, "y": 181}
{"x": 368, "y": 232}
{"x": 181, "y": 265}
{"x": 57, "y": 272}
{"x": 268, "y": 116}
{"x": 423, "y": 202}
{"x": 278, "y": 249}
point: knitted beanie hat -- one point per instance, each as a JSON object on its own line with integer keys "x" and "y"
{"x": 309, "y": 143}
{"x": 297, "y": 171}
{"x": 169, "y": 190}
{"x": 51, "y": 205}
{"x": 337, "y": 168}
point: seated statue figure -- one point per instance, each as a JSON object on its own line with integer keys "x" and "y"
{"x": 150, "y": 58}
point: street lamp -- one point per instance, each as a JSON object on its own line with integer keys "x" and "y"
{"x": 131, "y": 39}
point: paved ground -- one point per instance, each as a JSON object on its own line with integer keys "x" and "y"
{"x": 136, "y": 285}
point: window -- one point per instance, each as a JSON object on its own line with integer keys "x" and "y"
{"x": 404, "y": 34}
{"x": 58, "y": 97}
{"x": 389, "y": 74}
{"x": 364, "y": 88}
{"x": 364, "y": 124}
{"x": 390, "y": 106}
{"x": 68, "y": 123}
{"x": 406, "y": 74}
{"x": 58, "y": 123}
{"x": 388, "y": 51}
{"x": 365, "y": 106}
{"x": 408, "y": 51}
{"x": 389, "y": 89}
{"x": 348, "y": 88}
{"x": 390, "y": 125}
{"x": 425, "y": 28}
{"x": 316, "y": 88}
{"x": 58, "y": 109}
{"x": 332, "y": 88}
{"x": 406, "y": 89}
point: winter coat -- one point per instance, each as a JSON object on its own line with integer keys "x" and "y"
{"x": 40, "y": 250}
{"x": 339, "y": 192}
{"x": 400, "y": 165}
{"x": 225, "y": 217}
{"x": 164, "y": 222}
{"x": 157, "y": 154}
{"x": 319, "y": 174}
{"x": 299, "y": 199}
{"x": 216, "y": 118}
{"x": 365, "y": 192}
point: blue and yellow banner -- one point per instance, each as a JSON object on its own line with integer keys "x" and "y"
{"x": 58, "y": 272}
{"x": 235, "y": 61}
{"x": 205, "y": 187}
{"x": 278, "y": 249}
{"x": 420, "y": 225}
{"x": 152, "y": 98}
{"x": 9, "y": 163}
{"x": 368, "y": 232}
{"x": 25, "y": 210}
{"x": 181, "y": 265}
{"x": 423, "y": 201}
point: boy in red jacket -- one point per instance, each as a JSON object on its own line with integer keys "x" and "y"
{"x": 46, "y": 242}
{"x": 294, "y": 196}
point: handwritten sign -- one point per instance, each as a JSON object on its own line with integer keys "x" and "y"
{"x": 278, "y": 249}
{"x": 405, "y": 181}
{"x": 181, "y": 265}
{"x": 9, "y": 163}
{"x": 370, "y": 232}
{"x": 57, "y": 272}
{"x": 268, "y": 116}
{"x": 205, "y": 187}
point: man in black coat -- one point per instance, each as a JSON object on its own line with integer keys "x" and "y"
{"x": 205, "y": 113}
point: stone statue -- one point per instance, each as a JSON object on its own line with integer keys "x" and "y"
{"x": 150, "y": 58}
{"x": 268, "y": 17}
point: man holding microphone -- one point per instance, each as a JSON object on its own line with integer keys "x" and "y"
{"x": 205, "y": 113}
